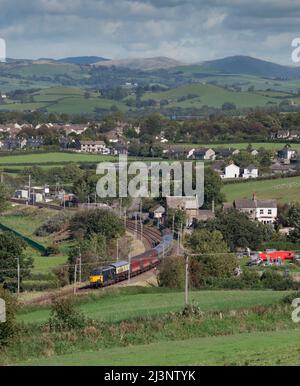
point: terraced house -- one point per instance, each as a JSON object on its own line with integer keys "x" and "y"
{"x": 97, "y": 147}
{"x": 264, "y": 211}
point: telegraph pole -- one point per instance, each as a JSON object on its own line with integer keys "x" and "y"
{"x": 141, "y": 218}
{"x": 186, "y": 279}
{"x": 18, "y": 275}
{"x": 173, "y": 225}
{"x": 80, "y": 265}
{"x": 75, "y": 279}
{"x": 29, "y": 188}
{"x": 129, "y": 273}
{"x": 117, "y": 249}
{"x": 125, "y": 218}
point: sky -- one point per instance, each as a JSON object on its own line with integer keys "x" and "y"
{"x": 190, "y": 31}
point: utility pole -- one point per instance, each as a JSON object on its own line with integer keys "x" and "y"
{"x": 117, "y": 249}
{"x": 129, "y": 273}
{"x": 18, "y": 275}
{"x": 125, "y": 218}
{"x": 141, "y": 218}
{"x": 186, "y": 279}
{"x": 29, "y": 188}
{"x": 80, "y": 265}
{"x": 173, "y": 225}
{"x": 75, "y": 279}
{"x": 136, "y": 225}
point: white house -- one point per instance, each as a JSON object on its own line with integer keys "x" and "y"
{"x": 94, "y": 147}
{"x": 264, "y": 211}
{"x": 231, "y": 171}
{"x": 250, "y": 171}
{"x": 287, "y": 153}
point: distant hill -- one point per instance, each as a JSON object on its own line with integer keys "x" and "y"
{"x": 81, "y": 60}
{"x": 146, "y": 64}
{"x": 251, "y": 66}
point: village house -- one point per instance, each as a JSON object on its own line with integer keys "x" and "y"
{"x": 158, "y": 212}
{"x": 97, "y": 147}
{"x": 254, "y": 153}
{"x": 230, "y": 171}
{"x": 281, "y": 168}
{"x": 233, "y": 171}
{"x": 282, "y": 134}
{"x": 190, "y": 205}
{"x": 287, "y": 153}
{"x": 226, "y": 153}
{"x": 250, "y": 171}
{"x": 295, "y": 134}
{"x": 34, "y": 143}
{"x": 204, "y": 154}
{"x": 264, "y": 211}
{"x": 119, "y": 148}
{"x": 11, "y": 143}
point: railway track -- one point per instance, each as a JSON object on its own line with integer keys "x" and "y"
{"x": 150, "y": 235}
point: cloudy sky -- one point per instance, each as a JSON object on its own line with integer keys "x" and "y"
{"x": 187, "y": 30}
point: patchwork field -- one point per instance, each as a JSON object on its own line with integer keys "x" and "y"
{"x": 210, "y": 95}
{"x": 112, "y": 307}
{"x": 284, "y": 190}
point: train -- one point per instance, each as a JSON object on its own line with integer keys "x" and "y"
{"x": 119, "y": 271}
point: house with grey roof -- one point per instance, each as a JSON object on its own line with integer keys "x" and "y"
{"x": 264, "y": 211}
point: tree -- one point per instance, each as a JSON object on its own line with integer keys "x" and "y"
{"x": 214, "y": 259}
{"x": 212, "y": 189}
{"x": 92, "y": 250}
{"x": 11, "y": 249}
{"x": 172, "y": 273}
{"x": 239, "y": 231}
{"x": 179, "y": 218}
{"x": 4, "y": 197}
{"x": 203, "y": 241}
{"x": 99, "y": 221}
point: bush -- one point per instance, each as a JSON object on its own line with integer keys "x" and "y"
{"x": 39, "y": 285}
{"x": 53, "y": 250}
{"x": 62, "y": 275}
{"x": 54, "y": 224}
{"x": 8, "y": 329}
{"x": 64, "y": 316}
{"x": 274, "y": 280}
{"x": 172, "y": 273}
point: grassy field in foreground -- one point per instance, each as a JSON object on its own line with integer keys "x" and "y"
{"x": 271, "y": 348}
{"x": 112, "y": 307}
{"x": 285, "y": 190}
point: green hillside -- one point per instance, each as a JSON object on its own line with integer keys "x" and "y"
{"x": 210, "y": 95}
